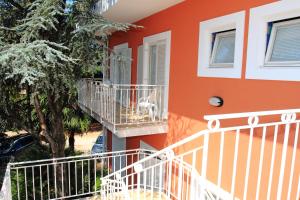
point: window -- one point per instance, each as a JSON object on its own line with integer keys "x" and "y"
{"x": 223, "y": 49}
{"x": 284, "y": 44}
{"x": 221, "y": 43}
{"x": 274, "y": 42}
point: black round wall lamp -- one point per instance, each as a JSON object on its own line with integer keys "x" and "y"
{"x": 216, "y": 101}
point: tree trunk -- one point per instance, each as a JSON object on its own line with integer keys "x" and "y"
{"x": 55, "y": 136}
{"x": 72, "y": 142}
{"x": 58, "y": 150}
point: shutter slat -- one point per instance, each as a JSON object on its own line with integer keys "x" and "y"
{"x": 140, "y": 66}
{"x": 161, "y": 77}
{"x": 225, "y": 49}
{"x": 112, "y": 68}
{"x": 161, "y": 64}
{"x": 287, "y": 43}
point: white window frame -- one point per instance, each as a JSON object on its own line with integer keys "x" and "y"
{"x": 268, "y": 62}
{"x": 215, "y": 47}
{"x": 116, "y": 48}
{"x": 156, "y": 39}
{"x": 257, "y": 67}
{"x": 121, "y": 46}
{"x": 232, "y": 21}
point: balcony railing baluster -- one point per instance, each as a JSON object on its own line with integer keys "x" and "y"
{"x": 121, "y": 105}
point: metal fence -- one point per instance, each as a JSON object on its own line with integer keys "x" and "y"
{"x": 66, "y": 178}
{"x": 239, "y": 156}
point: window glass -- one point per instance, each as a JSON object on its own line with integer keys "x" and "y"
{"x": 223, "y": 48}
{"x": 286, "y": 46}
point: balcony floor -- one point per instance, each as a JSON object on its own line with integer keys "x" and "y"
{"x": 128, "y": 123}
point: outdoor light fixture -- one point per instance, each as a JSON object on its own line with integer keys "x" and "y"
{"x": 216, "y": 101}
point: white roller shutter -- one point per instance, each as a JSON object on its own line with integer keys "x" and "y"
{"x": 125, "y": 70}
{"x": 286, "y": 46}
{"x": 112, "y": 67}
{"x": 127, "y": 66}
{"x": 161, "y": 73}
{"x": 140, "y": 67}
{"x": 161, "y": 64}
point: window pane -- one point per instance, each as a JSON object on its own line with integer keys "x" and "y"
{"x": 225, "y": 49}
{"x": 287, "y": 44}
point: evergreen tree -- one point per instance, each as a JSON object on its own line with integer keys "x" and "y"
{"x": 45, "y": 47}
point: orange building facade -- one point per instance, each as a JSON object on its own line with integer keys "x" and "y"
{"x": 190, "y": 86}
{"x": 189, "y": 93}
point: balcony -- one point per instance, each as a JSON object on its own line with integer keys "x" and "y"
{"x": 117, "y": 10}
{"x": 126, "y": 110}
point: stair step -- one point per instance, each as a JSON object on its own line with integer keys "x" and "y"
{"x": 135, "y": 195}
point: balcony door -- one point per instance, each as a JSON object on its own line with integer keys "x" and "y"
{"x": 120, "y": 73}
{"x": 153, "y": 69}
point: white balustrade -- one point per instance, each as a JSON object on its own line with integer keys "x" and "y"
{"x": 122, "y": 105}
{"x": 239, "y": 156}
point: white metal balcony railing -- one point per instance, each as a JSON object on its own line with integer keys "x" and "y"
{"x": 250, "y": 156}
{"x": 70, "y": 177}
{"x": 122, "y": 105}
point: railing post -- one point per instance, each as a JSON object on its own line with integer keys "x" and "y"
{"x": 204, "y": 156}
{"x": 287, "y": 119}
{"x": 170, "y": 156}
{"x": 91, "y": 96}
{"x": 204, "y": 164}
{"x": 114, "y": 102}
{"x": 194, "y": 187}
{"x": 5, "y": 192}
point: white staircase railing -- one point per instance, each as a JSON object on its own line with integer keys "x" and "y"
{"x": 239, "y": 156}
{"x": 243, "y": 156}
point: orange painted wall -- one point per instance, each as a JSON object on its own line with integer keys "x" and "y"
{"x": 188, "y": 93}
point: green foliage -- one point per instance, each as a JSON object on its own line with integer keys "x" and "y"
{"x": 35, "y": 61}
{"x": 45, "y": 48}
{"x": 75, "y": 120}
{"x": 37, "y": 152}
{"x": 41, "y": 16}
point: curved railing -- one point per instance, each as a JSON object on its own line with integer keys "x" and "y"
{"x": 244, "y": 155}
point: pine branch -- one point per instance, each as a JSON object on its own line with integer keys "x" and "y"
{"x": 31, "y": 61}
{"x": 42, "y": 16}
{"x": 15, "y": 4}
